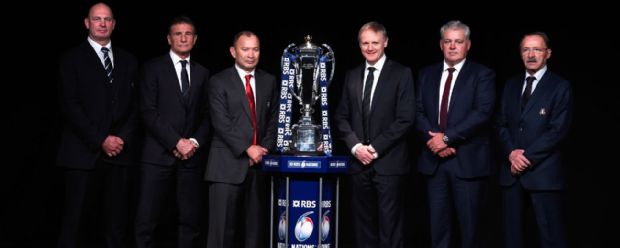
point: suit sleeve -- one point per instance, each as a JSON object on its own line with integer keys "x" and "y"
{"x": 222, "y": 120}
{"x": 128, "y": 130}
{"x": 158, "y": 127}
{"x": 405, "y": 115}
{"x": 503, "y": 130}
{"x": 202, "y": 132}
{"x": 557, "y": 128}
{"x": 481, "y": 111}
{"x": 343, "y": 116}
{"x": 422, "y": 123}
{"x": 269, "y": 140}
{"x": 73, "y": 110}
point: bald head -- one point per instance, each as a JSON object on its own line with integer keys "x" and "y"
{"x": 100, "y": 23}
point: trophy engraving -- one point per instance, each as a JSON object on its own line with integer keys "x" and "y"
{"x": 305, "y": 77}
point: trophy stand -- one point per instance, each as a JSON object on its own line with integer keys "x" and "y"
{"x": 305, "y": 176}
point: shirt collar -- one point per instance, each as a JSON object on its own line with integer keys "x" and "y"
{"x": 379, "y": 65}
{"x": 458, "y": 66}
{"x": 176, "y": 59}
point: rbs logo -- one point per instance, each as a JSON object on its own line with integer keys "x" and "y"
{"x": 304, "y": 204}
{"x": 304, "y": 226}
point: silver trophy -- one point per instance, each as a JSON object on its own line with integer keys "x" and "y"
{"x": 311, "y": 77}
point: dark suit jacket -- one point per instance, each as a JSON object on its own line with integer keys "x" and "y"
{"x": 469, "y": 114}
{"x": 538, "y": 129}
{"x": 169, "y": 116}
{"x": 391, "y": 117}
{"x": 232, "y": 122}
{"x": 94, "y": 108}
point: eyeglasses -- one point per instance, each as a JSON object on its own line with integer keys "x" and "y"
{"x": 536, "y": 50}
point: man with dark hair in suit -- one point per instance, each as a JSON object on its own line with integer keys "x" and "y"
{"x": 242, "y": 101}
{"x": 175, "y": 111}
{"x": 99, "y": 111}
{"x": 454, "y": 107}
{"x": 535, "y": 114}
{"x": 376, "y": 112}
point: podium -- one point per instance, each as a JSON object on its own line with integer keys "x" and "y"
{"x": 307, "y": 191}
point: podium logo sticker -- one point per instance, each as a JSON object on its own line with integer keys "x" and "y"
{"x": 304, "y": 226}
{"x": 282, "y": 227}
{"x": 325, "y": 226}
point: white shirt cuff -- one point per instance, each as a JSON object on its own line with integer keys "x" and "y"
{"x": 195, "y": 142}
{"x": 355, "y": 148}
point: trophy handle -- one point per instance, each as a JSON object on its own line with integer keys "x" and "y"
{"x": 332, "y": 58}
{"x": 290, "y": 49}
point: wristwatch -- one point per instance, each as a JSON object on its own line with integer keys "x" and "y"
{"x": 446, "y": 140}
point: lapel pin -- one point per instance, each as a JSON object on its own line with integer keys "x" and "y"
{"x": 542, "y": 112}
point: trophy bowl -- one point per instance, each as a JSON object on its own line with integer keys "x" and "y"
{"x": 307, "y": 70}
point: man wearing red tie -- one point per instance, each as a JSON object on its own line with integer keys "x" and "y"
{"x": 454, "y": 106}
{"x": 243, "y": 108}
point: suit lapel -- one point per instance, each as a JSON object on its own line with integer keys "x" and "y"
{"x": 193, "y": 84}
{"x": 435, "y": 79}
{"x": 358, "y": 86}
{"x": 93, "y": 58}
{"x": 173, "y": 78}
{"x": 382, "y": 85}
{"x": 239, "y": 91}
{"x": 542, "y": 86}
{"x": 460, "y": 83}
{"x": 259, "y": 96}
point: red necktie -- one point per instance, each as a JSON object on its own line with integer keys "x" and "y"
{"x": 443, "y": 111}
{"x": 250, "y": 94}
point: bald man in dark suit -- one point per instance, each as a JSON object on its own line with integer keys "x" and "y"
{"x": 99, "y": 108}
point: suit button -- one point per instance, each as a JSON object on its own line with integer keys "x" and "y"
{"x": 520, "y": 129}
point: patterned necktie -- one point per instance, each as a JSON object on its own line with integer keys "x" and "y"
{"x": 366, "y": 104}
{"x": 528, "y": 90}
{"x": 443, "y": 111}
{"x": 184, "y": 78}
{"x": 107, "y": 63}
{"x": 250, "y": 94}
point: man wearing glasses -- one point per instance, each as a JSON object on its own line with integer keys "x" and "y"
{"x": 534, "y": 119}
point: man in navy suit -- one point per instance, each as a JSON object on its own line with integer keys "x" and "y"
{"x": 99, "y": 110}
{"x": 174, "y": 108}
{"x": 454, "y": 106}
{"x": 534, "y": 119}
{"x": 374, "y": 115}
{"x": 242, "y": 101}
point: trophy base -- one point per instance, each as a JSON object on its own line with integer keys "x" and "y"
{"x": 305, "y": 153}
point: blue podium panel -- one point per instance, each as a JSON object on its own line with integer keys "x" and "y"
{"x": 305, "y": 164}
{"x": 306, "y": 192}
{"x": 310, "y": 221}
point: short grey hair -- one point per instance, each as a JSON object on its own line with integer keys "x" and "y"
{"x": 454, "y": 25}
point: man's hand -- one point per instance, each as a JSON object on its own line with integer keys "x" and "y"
{"x": 256, "y": 153}
{"x": 365, "y": 154}
{"x": 447, "y": 152}
{"x": 436, "y": 144}
{"x": 185, "y": 149}
{"x": 112, "y": 145}
{"x": 518, "y": 162}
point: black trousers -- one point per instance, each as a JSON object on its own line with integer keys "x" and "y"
{"x": 106, "y": 186}
{"x": 377, "y": 209}
{"x": 238, "y": 213}
{"x": 155, "y": 186}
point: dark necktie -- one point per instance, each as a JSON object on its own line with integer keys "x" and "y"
{"x": 107, "y": 63}
{"x": 366, "y": 104}
{"x": 443, "y": 111}
{"x": 528, "y": 90}
{"x": 250, "y": 94}
{"x": 184, "y": 78}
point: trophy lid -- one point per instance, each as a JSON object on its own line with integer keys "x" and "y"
{"x": 308, "y": 44}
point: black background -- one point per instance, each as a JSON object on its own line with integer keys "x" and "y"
{"x": 584, "y": 52}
